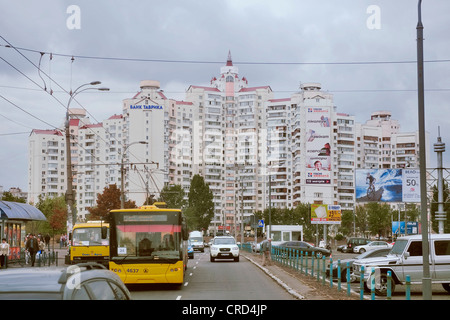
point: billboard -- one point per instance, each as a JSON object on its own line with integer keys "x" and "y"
{"x": 411, "y": 185}
{"x": 325, "y": 214}
{"x": 387, "y": 185}
{"x": 318, "y": 145}
{"x": 412, "y": 227}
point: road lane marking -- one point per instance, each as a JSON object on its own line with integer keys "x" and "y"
{"x": 186, "y": 284}
{"x": 178, "y": 298}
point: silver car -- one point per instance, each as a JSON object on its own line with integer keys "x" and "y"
{"x": 406, "y": 259}
{"x": 87, "y": 281}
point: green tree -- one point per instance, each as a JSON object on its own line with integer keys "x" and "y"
{"x": 55, "y": 210}
{"x": 200, "y": 210}
{"x": 347, "y": 219}
{"x": 173, "y": 196}
{"x": 8, "y": 196}
{"x": 300, "y": 215}
{"x": 361, "y": 219}
{"x": 379, "y": 218}
{"x": 107, "y": 201}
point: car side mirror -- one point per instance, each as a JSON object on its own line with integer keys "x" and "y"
{"x": 406, "y": 255}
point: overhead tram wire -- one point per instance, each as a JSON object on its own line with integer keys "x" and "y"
{"x": 44, "y": 89}
{"x": 30, "y": 114}
{"x": 52, "y": 80}
{"x": 221, "y": 62}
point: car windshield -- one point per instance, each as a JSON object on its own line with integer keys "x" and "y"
{"x": 89, "y": 236}
{"x": 224, "y": 241}
{"x": 399, "y": 247}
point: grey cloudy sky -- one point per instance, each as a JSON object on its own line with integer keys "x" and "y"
{"x": 278, "y": 43}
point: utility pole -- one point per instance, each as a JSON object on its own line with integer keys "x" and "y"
{"x": 440, "y": 214}
{"x": 122, "y": 173}
{"x": 69, "y": 192}
{"x": 426, "y": 280}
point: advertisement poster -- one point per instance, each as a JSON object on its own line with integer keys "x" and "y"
{"x": 382, "y": 185}
{"x": 325, "y": 214}
{"x": 318, "y": 145}
{"x": 411, "y": 185}
{"x": 387, "y": 185}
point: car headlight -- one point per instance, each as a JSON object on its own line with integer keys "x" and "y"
{"x": 235, "y": 248}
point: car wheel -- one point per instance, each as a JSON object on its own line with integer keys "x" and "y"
{"x": 236, "y": 259}
{"x": 344, "y": 275}
{"x": 211, "y": 259}
{"x": 319, "y": 255}
{"x": 362, "y": 250}
{"x": 446, "y": 286}
{"x": 381, "y": 288}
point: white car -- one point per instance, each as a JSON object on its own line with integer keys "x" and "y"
{"x": 224, "y": 247}
{"x": 371, "y": 246}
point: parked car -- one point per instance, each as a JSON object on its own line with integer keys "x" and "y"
{"x": 406, "y": 259}
{"x": 190, "y": 250}
{"x": 371, "y": 246}
{"x": 353, "y": 242}
{"x": 224, "y": 247}
{"x": 306, "y": 247}
{"x": 382, "y": 252}
{"x": 84, "y": 281}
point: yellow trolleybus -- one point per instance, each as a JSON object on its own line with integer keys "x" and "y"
{"x": 89, "y": 242}
{"x": 148, "y": 245}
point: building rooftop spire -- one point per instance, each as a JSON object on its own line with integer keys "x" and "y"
{"x": 229, "y": 61}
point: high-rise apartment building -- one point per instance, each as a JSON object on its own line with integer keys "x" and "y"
{"x": 253, "y": 150}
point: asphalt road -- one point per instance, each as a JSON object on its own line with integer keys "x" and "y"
{"x": 220, "y": 280}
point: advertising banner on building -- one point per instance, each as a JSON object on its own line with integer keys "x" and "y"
{"x": 411, "y": 185}
{"x": 318, "y": 145}
{"x": 325, "y": 214}
{"x": 387, "y": 185}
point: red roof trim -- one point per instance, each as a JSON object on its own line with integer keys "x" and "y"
{"x": 97, "y": 125}
{"x": 50, "y": 132}
{"x": 183, "y": 103}
{"x": 116, "y": 116}
{"x": 205, "y": 88}
{"x": 254, "y": 88}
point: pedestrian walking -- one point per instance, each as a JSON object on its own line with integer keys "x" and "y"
{"x": 47, "y": 241}
{"x": 4, "y": 252}
{"x": 32, "y": 247}
{"x": 266, "y": 247}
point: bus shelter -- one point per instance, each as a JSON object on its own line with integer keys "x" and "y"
{"x": 13, "y": 217}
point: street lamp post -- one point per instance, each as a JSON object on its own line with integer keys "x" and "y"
{"x": 122, "y": 173}
{"x": 69, "y": 192}
{"x": 426, "y": 281}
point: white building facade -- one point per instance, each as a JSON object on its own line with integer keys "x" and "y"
{"x": 253, "y": 150}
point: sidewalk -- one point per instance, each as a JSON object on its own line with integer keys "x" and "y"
{"x": 61, "y": 260}
{"x": 300, "y": 286}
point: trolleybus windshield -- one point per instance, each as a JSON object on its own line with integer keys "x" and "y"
{"x": 89, "y": 236}
{"x": 146, "y": 235}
